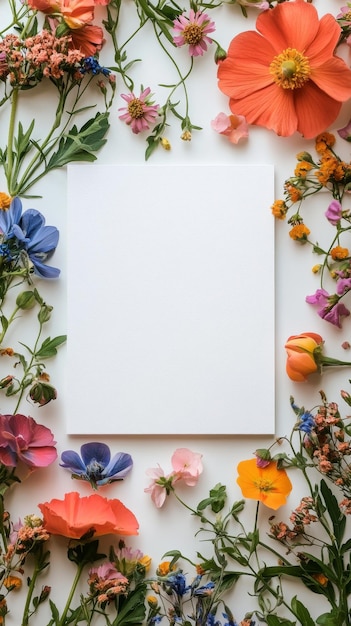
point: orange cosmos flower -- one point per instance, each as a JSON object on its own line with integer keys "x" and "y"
{"x": 286, "y": 77}
{"x": 74, "y": 516}
{"x": 269, "y": 484}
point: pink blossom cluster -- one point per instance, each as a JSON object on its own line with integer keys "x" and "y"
{"x": 187, "y": 467}
{"x": 43, "y": 55}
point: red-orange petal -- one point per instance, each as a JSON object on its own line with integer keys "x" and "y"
{"x": 334, "y": 78}
{"x": 289, "y": 25}
{"x": 315, "y": 110}
{"x": 323, "y": 45}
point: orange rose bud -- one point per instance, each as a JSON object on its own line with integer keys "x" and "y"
{"x": 301, "y": 351}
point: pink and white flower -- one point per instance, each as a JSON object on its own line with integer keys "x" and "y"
{"x": 140, "y": 111}
{"x": 234, "y": 127}
{"x": 193, "y": 31}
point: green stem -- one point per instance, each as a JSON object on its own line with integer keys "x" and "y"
{"x": 31, "y": 589}
{"x": 62, "y": 620}
{"x": 10, "y": 139}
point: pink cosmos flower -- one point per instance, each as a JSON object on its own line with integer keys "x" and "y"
{"x": 139, "y": 112}
{"x": 345, "y": 132}
{"x": 334, "y": 212}
{"x": 187, "y": 465}
{"x": 107, "y": 571}
{"x": 193, "y": 31}
{"x": 22, "y": 439}
{"x": 234, "y": 127}
{"x": 160, "y": 485}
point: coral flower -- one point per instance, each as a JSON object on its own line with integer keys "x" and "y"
{"x": 286, "y": 77}
{"x": 269, "y": 484}
{"x": 74, "y": 516}
{"x": 193, "y": 31}
{"x": 77, "y": 13}
{"x": 88, "y": 39}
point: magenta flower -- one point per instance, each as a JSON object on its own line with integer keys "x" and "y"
{"x": 193, "y": 31}
{"x": 331, "y": 309}
{"x": 334, "y": 212}
{"x": 234, "y": 127}
{"x": 345, "y": 132}
{"x": 22, "y": 439}
{"x": 187, "y": 465}
{"x": 139, "y": 112}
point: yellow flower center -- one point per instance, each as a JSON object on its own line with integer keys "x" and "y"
{"x": 135, "y": 108}
{"x": 264, "y": 485}
{"x": 192, "y": 34}
{"x": 290, "y": 69}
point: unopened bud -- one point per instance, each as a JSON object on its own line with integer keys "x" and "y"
{"x": 44, "y": 313}
{"x": 42, "y": 393}
{"x": 26, "y": 300}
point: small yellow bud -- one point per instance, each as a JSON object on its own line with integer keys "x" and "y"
{"x": 165, "y": 143}
{"x": 152, "y": 601}
{"x": 316, "y": 268}
{"x": 186, "y": 136}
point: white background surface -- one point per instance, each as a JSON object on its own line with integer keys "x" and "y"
{"x": 171, "y": 527}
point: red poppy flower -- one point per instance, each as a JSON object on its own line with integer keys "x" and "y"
{"x": 286, "y": 76}
{"x": 75, "y": 516}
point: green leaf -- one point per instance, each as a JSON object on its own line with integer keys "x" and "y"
{"x": 80, "y": 145}
{"x": 335, "y": 618}
{"x": 301, "y": 612}
{"x": 132, "y": 609}
{"x": 274, "y": 620}
{"x": 49, "y": 347}
{"x": 336, "y": 515}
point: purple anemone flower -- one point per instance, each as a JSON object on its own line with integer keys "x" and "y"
{"x": 95, "y": 464}
{"x": 27, "y": 233}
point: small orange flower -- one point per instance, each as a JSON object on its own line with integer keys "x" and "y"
{"x": 279, "y": 209}
{"x": 294, "y": 193}
{"x": 338, "y": 253}
{"x": 321, "y": 579}
{"x": 5, "y": 201}
{"x": 164, "y": 568}
{"x": 301, "y": 360}
{"x": 324, "y": 142}
{"x": 299, "y": 232}
{"x": 12, "y": 582}
{"x": 302, "y": 169}
{"x": 75, "y": 516}
{"x": 269, "y": 484}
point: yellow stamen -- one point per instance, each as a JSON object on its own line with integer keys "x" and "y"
{"x": 192, "y": 34}
{"x": 290, "y": 69}
{"x": 135, "y": 108}
{"x": 264, "y": 485}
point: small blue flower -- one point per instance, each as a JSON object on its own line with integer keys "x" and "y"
{"x": 177, "y": 583}
{"x": 205, "y": 590}
{"x": 95, "y": 464}
{"x": 91, "y": 65}
{"x": 28, "y": 234}
{"x": 306, "y": 422}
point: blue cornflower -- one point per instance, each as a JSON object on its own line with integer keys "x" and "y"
{"x": 306, "y": 422}
{"x": 92, "y": 66}
{"x": 28, "y": 233}
{"x": 95, "y": 464}
{"x": 205, "y": 590}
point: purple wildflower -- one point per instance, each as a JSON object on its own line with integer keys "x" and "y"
{"x": 193, "y": 31}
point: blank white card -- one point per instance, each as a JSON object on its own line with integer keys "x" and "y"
{"x": 170, "y": 299}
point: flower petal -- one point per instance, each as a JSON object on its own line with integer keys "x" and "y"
{"x": 72, "y": 461}
{"x": 95, "y": 450}
{"x": 294, "y": 25}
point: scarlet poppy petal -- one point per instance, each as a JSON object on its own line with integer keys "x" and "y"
{"x": 246, "y": 68}
{"x": 315, "y": 110}
{"x": 294, "y": 25}
{"x": 323, "y": 45}
{"x": 257, "y": 108}
{"x": 334, "y": 78}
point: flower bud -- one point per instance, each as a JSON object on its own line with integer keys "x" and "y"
{"x": 26, "y": 300}
{"x": 42, "y": 393}
{"x": 6, "y": 382}
{"x": 44, "y": 313}
{"x": 305, "y": 156}
{"x": 220, "y": 54}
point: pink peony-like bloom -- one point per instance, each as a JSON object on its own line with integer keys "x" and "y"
{"x": 160, "y": 485}
{"x": 193, "y": 31}
{"x": 334, "y": 212}
{"x": 22, "y": 439}
{"x": 107, "y": 571}
{"x": 234, "y": 127}
{"x": 187, "y": 465}
{"x": 139, "y": 112}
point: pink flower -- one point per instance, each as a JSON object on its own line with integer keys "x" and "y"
{"x": 334, "y": 212}
{"x": 160, "y": 485}
{"x": 345, "y": 132}
{"x": 22, "y": 439}
{"x": 107, "y": 571}
{"x": 331, "y": 310}
{"x": 187, "y": 465}
{"x": 234, "y": 127}
{"x": 193, "y": 31}
{"x": 140, "y": 112}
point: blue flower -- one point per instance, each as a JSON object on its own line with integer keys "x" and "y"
{"x": 95, "y": 464}
{"x": 28, "y": 234}
{"x": 90, "y": 64}
{"x": 205, "y": 590}
{"x": 306, "y": 422}
{"x": 177, "y": 583}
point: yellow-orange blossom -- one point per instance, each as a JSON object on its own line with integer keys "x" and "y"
{"x": 269, "y": 484}
{"x": 286, "y": 76}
